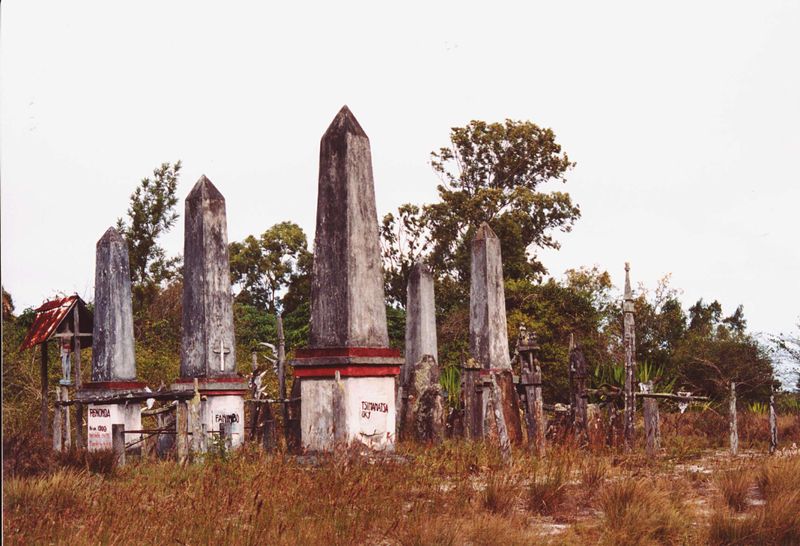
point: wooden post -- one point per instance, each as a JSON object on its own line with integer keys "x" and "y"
{"x": 76, "y": 350}
{"x": 57, "y": 432}
{"x": 256, "y": 408}
{"x": 578, "y": 376}
{"x": 293, "y": 432}
{"x": 652, "y": 430}
{"x": 181, "y": 432}
{"x": 194, "y": 421}
{"x": 43, "y": 365}
{"x": 282, "y": 372}
{"x": 629, "y": 340}
{"x": 65, "y": 418}
{"x": 534, "y": 404}
{"x": 268, "y": 434}
{"x": 472, "y": 392}
{"x": 118, "y": 443}
{"x": 773, "y": 425}
{"x": 732, "y": 421}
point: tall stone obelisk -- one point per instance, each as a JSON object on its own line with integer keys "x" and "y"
{"x": 113, "y": 360}
{"x": 208, "y": 345}
{"x": 629, "y": 340}
{"x": 488, "y": 334}
{"x": 347, "y": 373}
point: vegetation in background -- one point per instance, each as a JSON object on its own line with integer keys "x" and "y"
{"x": 151, "y": 214}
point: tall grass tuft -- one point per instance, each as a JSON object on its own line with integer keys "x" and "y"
{"x": 639, "y": 512}
{"x": 734, "y": 485}
{"x": 547, "y": 489}
{"x": 500, "y": 494}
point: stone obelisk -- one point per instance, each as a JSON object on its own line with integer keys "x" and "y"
{"x": 629, "y": 340}
{"x": 208, "y": 345}
{"x": 488, "y": 335}
{"x": 113, "y": 360}
{"x": 348, "y": 372}
{"x": 420, "y": 401}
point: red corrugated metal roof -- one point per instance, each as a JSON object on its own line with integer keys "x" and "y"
{"x": 48, "y": 317}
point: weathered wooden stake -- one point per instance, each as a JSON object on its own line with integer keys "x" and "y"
{"x": 57, "y": 432}
{"x": 181, "y": 431}
{"x": 65, "y": 421}
{"x": 255, "y": 409}
{"x": 732, "y": 421}
{"x": 282, "y": 374}
{"x": 268, "y": 433}
{"x": 531, "y": 379}
{"x": 629, "y": 339}
{"x": 579, "y": 372}
{"x": 43, "y": 417}
{"x": 76, "y": 350}
{"x": 652, "y": 430}
{"x": 773, "y": 425}
{"x": 471, "y": 391}
{"x": 118, "y": 443}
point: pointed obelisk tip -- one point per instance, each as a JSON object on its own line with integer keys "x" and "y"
{"x": 111, "y": 236}
{"x": 628, "y": 291}
{"x": 484, "y": 232}
{"x": 204, "y": 189}
{"x": 344, "y": 123}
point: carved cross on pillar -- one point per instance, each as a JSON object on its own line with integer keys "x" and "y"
{"x": 222, "y": 351}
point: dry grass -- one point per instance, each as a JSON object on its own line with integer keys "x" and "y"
{"x": 639, "y": 511}
{"x": 734, "y": 485}
{"x": 776, "y": 521}
{"x": 454, "y": 493}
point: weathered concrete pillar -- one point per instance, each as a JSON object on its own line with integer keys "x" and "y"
{"x": 113, "y": 359}
{"x": 208, "y": 345}
{"x": 488, "y": 336}
{"x": 629, "y": 340}
{"x": 422, "y": 416}
{"x": 421, "y": 407}
{"x": 420, "y": 319}
{"x": 348, "y": 337}
{"x": 112, "y": 338}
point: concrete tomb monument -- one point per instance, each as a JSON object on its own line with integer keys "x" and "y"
{"x": 347, "y": 375}
{"x": 208, "y": 353}
{"x": 113, "y": 362}
{"x": 488, "y": 337}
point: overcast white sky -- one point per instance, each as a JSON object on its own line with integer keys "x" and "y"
{"x": 683, "y": 117}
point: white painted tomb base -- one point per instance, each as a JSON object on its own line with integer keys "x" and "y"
{"x": 228, "y": 409}
{"x": 102, "y": 417}
{"x": 367, "y": 411}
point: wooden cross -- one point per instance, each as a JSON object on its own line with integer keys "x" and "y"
{"x": 222, "y": 351}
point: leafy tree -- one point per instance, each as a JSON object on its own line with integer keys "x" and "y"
{"x": 491, "y": 172}
{"x": 150, "y": 215}
{"x": 264, "y": 267}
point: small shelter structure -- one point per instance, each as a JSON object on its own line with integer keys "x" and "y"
{"x": 69, "y": 321}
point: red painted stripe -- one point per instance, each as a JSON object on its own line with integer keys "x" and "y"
{"x": 212, "y": 379}
{"x": 348, "y": 371}
{"x": 114, "y": 385}
{"x": 347, "y": 351}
